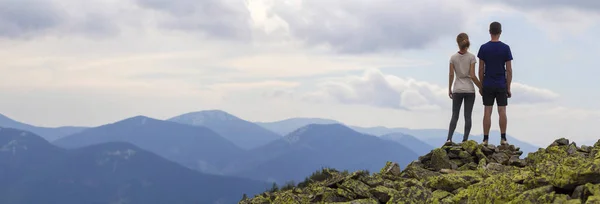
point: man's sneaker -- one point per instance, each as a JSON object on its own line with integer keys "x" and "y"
{"x": 503, "y": 142}
{"x": 485, "y": 142}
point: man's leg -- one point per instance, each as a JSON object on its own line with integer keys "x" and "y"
{"x": 456, "y": 104}
{"x": 503, "y": 121}
{"x": 502, "y": 101}
{"x": 488, "y": 102}
{"x": 469, "y": 102}
{"x": 487, "y": 122}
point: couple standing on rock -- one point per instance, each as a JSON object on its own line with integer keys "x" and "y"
{"x": 495, "y": 76}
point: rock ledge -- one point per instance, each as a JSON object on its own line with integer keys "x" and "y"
{"x": 463, "y": 173}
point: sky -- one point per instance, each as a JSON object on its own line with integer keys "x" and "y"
{"x": 364, "y": 63}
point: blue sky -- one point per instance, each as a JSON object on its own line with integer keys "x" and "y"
{"x": 366, "y": 63}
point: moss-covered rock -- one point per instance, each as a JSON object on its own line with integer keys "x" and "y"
{"x": 373, "y": 181}
{"x": 391, "y": 168}
{"x": 470, "y": 146}
{"x": 563, "y": 170}
{"x": 591, "y": 193}
{"x": 440, "y": 160}
{"x": 465, "y": 157}
{"x": 362, "y": 201}
{"x": 469, "y": 166}
{"x": 413, "y": 191}
{"x": 500, "y": 158}
{"x": 462, "y": 173}
{"x": 288, "y": 197}
{"x": 361, "y": 189}
{"x": 417, "y": 171}
{"x": 537, "y": 195}
{"x": 498, "y": 188}
{"x": 480, "y": 155}
{"x": 438, "y": 195}
{"x": 384, "y": 194}
{"x": 561, "y": 141}
{"x": 482, "y": 164}
{"x": 451, "y": 182}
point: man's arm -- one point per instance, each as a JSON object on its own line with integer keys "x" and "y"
{"x": 508, "y": 76}
{"x": 481, "y": 70}
{"x": 509, "y": 72}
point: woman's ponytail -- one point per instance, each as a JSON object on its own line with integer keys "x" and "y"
{"x": 463, "y": 41}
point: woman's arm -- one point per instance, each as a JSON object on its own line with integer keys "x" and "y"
{"x": 474, "y": 77}
{"x": 450, "y": 80}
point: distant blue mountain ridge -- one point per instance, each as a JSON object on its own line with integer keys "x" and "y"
{"x": 314, "y": 146}
{"x": 244, "y": 134}
{"x": 47, "y": 133}
{"x": 34, "y": 171}
{"x": 195, "y": 147}
{"x": 217, "y": 142}
{"x": 432, "y": 137}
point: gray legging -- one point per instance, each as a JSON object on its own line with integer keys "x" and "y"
{"x": 457, "y": 99}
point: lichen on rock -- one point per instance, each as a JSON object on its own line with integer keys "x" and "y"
{"x": 440, "y": 160}
{"x": 463, "y": 173}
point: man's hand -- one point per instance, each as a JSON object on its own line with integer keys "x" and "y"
{"x": 508, "y": 93}
{"x": 450, "y": 94}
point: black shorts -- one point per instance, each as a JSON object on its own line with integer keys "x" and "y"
{"x": 492, "y": 93}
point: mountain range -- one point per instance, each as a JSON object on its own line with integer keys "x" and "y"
{"x": 34, "y": 171}
{"x": 411, "y": 142}
{"x": 315, "y": 146}
{"x": 47, "y": 133}
{"x": 238, "y": 130}
{"x": 437, "y": 137}
{"x": 208, "y": 143}
{"x": 195, "y": 147}
{"x": 244, "y": 134}
{"x": 289, "y": 125}
{"x": 432, "y": 137}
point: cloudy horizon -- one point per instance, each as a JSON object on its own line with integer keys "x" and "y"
{"x": 381, "y": 63}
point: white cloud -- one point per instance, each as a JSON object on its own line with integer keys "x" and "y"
{"x": 224, "y": 19}
{"x": 558, "y": 19}
{"x": 33, "y": 19}
{"x": 27, "y": 17}
{"x": 525, "y": 94}
{"x": 303, "y": 63}
{"x": 587, "y": 5}
{"x": 563, "y": 22}
{"x": 30, "y": 19}
{"x": 377, "y": 89}
{"x": 242, "y": 86}
{"x": 355, "y": 26}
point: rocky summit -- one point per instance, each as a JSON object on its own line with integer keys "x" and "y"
{"x": 461, "y": 173}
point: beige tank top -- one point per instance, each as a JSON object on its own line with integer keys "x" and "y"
{"x": 462, "y": 80}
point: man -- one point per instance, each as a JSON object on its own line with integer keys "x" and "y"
{"x": 495, "y": 73}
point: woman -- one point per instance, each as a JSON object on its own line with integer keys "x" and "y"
{"x": 462, "y": 65}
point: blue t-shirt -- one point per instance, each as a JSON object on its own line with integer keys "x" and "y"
{"x": 495, "y": 55}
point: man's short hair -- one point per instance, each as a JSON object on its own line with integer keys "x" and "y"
{"x": 495, "y": 28}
